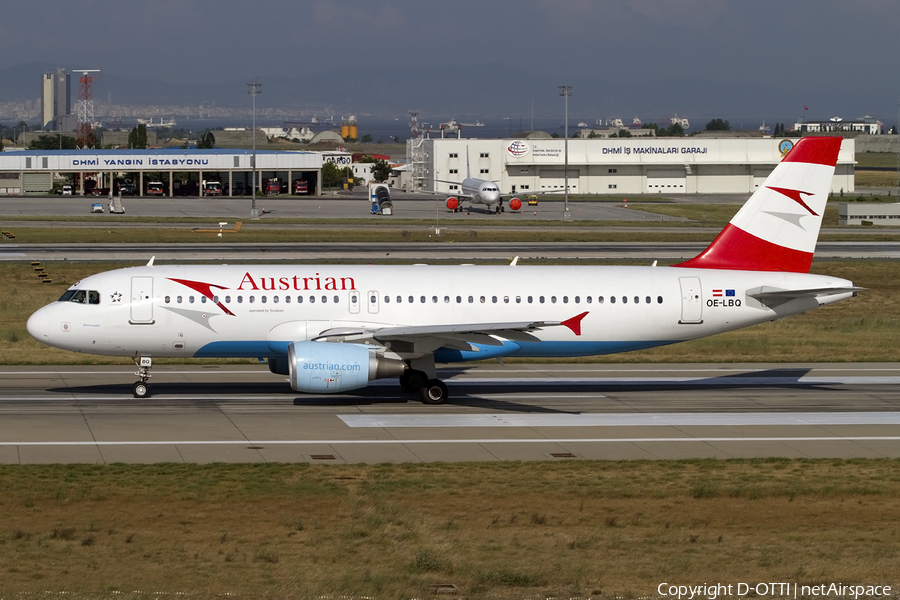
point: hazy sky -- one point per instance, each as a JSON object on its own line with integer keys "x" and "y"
{"x": 784, "y": 43}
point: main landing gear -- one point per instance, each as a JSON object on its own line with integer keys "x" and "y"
{"x": 141, "y": 389}
{"x": 432, "y": 391}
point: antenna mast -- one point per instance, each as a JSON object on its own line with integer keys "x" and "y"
{"x": 86, "y": 107}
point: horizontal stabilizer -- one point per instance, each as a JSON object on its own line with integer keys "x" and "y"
{"x": 773, "y": 297}
{"x": 770, "y": 292}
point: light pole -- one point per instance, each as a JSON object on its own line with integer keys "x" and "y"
{"x": 254, "y": 91}
{"x": 566, "y": 91}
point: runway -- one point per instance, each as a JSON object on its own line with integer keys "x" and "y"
{"x": 227, "y": 413}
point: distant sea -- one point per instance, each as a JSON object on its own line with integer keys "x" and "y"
{"x": 382, "y": 128}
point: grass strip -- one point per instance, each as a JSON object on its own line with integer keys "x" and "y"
{"x": 498, "y": 530}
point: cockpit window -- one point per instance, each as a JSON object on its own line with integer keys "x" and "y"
{"x": 81, "y": 296}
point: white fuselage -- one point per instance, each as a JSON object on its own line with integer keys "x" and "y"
{"x": 481, "y": 191}
{"x": 257, "y": 310}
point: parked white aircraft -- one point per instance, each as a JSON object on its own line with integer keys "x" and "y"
{"x": 478, "y": 191}
{"x": 334, "y": 328}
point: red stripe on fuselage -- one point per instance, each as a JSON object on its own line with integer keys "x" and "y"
{"x": 737, "y": 250}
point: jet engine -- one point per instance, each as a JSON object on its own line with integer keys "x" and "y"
{"x": 328, "y": 367}
{"x": 453, "y": 204}
{"x": 515, "y": 203}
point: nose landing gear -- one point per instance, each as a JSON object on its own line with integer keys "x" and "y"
{"x": 141, "y": 389}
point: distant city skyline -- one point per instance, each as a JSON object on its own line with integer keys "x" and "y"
{"x": 703, "y": 58}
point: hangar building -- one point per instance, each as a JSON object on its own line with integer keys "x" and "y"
{"x": 34, "y": 170}
{"x": 690, "y": 165}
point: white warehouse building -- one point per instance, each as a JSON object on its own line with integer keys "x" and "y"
{"x": 697, "y": 165}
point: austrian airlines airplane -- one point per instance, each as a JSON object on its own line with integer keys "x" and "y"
{"x": 334, "y": 328}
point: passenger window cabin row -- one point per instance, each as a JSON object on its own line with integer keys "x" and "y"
{"x": 527, "y": 299}
{"x": 93, "y": 297}
{"x": 324, "y": 299}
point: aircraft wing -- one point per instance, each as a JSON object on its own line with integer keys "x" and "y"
{"x": 559, "y": 190}
{"x": 428, "y": 338}
{"x": 437, "y": 193}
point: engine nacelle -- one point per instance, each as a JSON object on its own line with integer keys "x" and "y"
{"x": 327, "y": 367}
{"x": 515, "y": 204}
{"x": 452, "y": 203}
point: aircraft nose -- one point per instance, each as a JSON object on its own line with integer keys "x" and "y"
{"x": 38, "y": 326}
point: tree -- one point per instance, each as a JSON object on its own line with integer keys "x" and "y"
{"x": 673, "y": 130}
{"x": 137, "y": 137}
{"x": 53, "y": 142}
{"x": 207, "y": 140}
{"x": 381, "y": 171}
{"x": 366, "y": 139}
{"x": 366, "y": 158}
{"x": 331, "y": 174}
{"x": 718, "y": 125}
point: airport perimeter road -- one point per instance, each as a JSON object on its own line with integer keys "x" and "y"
{"x": 515, "y": 412}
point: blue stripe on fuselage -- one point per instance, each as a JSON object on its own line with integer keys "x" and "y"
{"x": 546, "y": 350}
{"x": 253, "y": 349}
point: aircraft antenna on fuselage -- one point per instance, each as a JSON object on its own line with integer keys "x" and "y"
{"x": 152, "y": 258}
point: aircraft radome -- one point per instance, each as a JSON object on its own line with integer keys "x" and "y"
{"x": 334, "y": 328}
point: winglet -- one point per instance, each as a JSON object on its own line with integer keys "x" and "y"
{"x": 575, "y": 323}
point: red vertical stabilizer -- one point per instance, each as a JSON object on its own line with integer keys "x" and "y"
{"x": 777, "y": 229}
